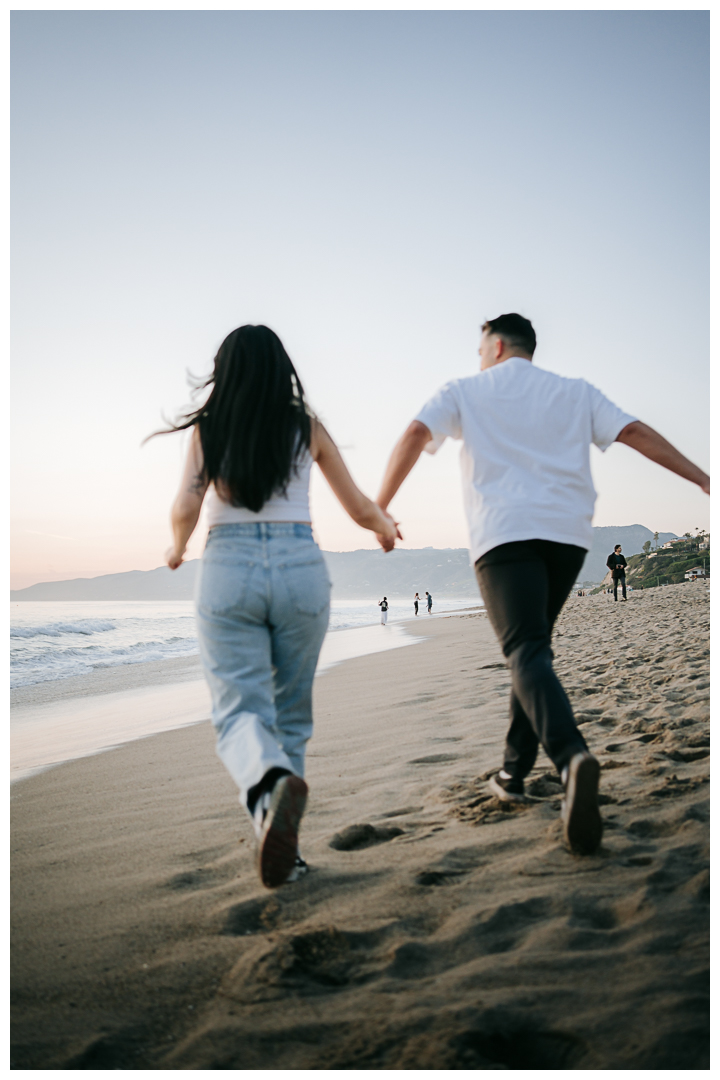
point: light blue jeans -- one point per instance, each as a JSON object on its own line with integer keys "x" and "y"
{"x": 263, "y": 604}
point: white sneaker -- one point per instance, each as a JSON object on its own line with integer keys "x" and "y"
{"x": 299, "y": 870}
{"x": 259, "y": 813}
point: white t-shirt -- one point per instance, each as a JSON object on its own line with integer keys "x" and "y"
{"x": 526, "y": 451}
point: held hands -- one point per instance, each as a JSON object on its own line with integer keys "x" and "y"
{"x": 387, "y": 536}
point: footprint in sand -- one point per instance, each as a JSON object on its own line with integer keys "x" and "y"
{"x": 357, "y": 837}
{"x": 319, "y": 961}
{"x": 220, "y": 871}
{"x": 546, "y": 786}
{"x": 255, "y": 916}
{"x": 433, "y": 759}
{"x": 438, "y": 877}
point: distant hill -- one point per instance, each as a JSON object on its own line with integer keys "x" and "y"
{"x": 354, "y": 574}
{"x": 668, "y": 567}
{"x": 160, "y": 584}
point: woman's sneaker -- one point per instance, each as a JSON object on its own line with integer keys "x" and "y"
{"x": 507, "y": 789}
{"x": 276, "y": 817}
{"x": 299, "y": 870}
{"x": 582, "y": 824}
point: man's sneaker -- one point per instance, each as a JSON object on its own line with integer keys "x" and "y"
{"x": 277, "y": 817}
{"x": 582, "y": 823}
{"x": 507, "y": 789}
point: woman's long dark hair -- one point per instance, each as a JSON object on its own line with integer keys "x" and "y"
{"x": 255, "y": 425}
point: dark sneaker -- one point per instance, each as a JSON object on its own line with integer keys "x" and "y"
{"x": 582, "y": 823}
{"x": 278, "y": 835}
{"x": 507, "y": 789}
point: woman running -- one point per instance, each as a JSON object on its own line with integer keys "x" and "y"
{"x": 263, "y": 594}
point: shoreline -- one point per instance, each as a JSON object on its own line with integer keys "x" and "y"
{"x": 117, "y": 677}
{"x": 62, "y": 720}
{"x": 437, "y": 928}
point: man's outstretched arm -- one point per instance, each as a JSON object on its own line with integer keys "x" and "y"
{"x": 404, "y": 456}
{"x": 652, "y": 445}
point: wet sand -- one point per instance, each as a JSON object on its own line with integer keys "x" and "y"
{"x": 66, "y": 719}
{"x": 436, "y": 929}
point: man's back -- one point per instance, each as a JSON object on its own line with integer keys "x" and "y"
{"x": 526, "y": 451}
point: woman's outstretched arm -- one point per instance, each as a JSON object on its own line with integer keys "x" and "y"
{"x": 361, "y": 509}
{"x": 652, "y": 445}
{"x": 186, "y": 508}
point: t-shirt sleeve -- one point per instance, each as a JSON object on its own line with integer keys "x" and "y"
{"x": 607, "y": 419}
{"x": 441, "y": 415}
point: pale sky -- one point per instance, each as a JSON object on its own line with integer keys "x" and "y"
{"x": 373, "y": 186}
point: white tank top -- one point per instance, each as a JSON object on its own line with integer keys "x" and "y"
{"x": 294, "y": 505}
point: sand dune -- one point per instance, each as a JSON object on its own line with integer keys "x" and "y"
{"x": 436, "y": 929}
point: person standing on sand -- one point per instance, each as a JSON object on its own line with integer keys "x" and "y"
{"x": 383, "y": 610}
{"x": 263, "y": 594}
{"x": 617, "y": 563}
{"x": 429, "y": 603}
{"x": 416, "y": 602}
{"x": 529, "y": 501}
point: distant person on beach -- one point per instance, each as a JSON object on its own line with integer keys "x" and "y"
{"x": 416, "y": 602}
{"x": 383, "y": 610}
{"x": 263, "y": 594}
{"x": 617, "y": 563}
{"x": 529, "y": 500}
{"x": 429, "y": 603}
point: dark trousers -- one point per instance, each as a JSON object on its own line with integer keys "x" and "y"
{"x": 618, "y": 579}
{"x": 524, "y": 585}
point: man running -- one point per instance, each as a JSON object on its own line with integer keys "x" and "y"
{"x": 617, "y": 563}
{"x": 529, "y": 501}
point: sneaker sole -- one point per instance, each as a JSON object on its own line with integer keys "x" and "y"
{"x": 581, "y": 812}
{"x": 278, "y": 847}
{"x": 506, "y": 796}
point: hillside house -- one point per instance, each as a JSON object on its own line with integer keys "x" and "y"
{"x": 697, "y": 571}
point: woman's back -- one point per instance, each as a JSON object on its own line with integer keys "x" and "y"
{"x": 263, "y": 594}
{"x": 292, "y": 505}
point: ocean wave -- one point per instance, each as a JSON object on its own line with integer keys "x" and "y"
{"x": 66, "y": 663}
{"x": 90, "y": 637}
{"x": 83, "y": 626}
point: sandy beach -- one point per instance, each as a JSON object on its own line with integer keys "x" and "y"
{"x": 436, "y": 929}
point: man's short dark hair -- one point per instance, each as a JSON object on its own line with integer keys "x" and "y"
{"x": 617, "y": 546}
{"x": 514, "y": 330}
